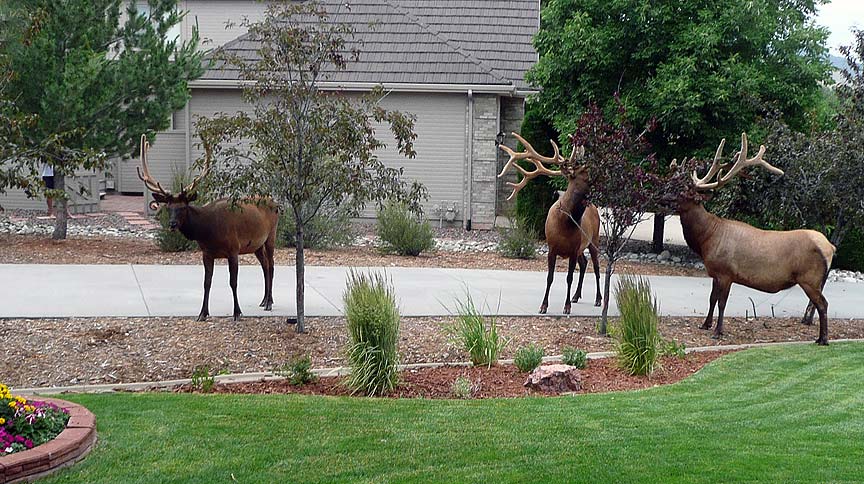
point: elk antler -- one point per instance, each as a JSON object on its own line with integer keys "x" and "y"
{"x": 208, "y": 152}
{"x": 144, "y": 171}
{"x": 741, "y": 162}
{"x": 537, "y": 159}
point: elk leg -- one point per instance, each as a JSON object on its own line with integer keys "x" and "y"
{"x": 721, "y": 308}
{"x": 233, "y": 263}
{"x": 715, "y": 292}
{"x": 208, "y": 279}
{"x": 592, "y": 249}
{"x": 821, "y": 304}
{"x": 583, "y": 263}
{"x": 261, "y": 255}
{"x": 271, "y": 264}
{"x": 808, "y": 314}
{"x": 571, "y": 266}
{"x": 549, "y": 277}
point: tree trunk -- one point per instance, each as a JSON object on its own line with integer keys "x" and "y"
{"x": 657, "y": 237}
{"x": 606, "y": 283}
{"x": 60, "y": 207}
{"x": 300, "y": 265}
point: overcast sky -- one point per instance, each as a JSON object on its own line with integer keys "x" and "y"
{"x": 839, "y": 16}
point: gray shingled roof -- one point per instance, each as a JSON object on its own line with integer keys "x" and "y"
{"x": 484, "y": 42}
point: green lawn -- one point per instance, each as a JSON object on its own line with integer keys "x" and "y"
{"x": 778, "y": 414}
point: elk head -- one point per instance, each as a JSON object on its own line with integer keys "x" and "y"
{"x": 569, "y": 168}
{"x": 177, "y": 205}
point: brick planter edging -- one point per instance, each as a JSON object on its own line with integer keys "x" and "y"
{"x": 70, "y": 446}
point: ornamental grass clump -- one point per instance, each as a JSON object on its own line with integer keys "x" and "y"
{"x": 477, "y": 334}
{"x": 25, "y": 424}
{"x": 637, "y": 341}
{"x": 528, "y": 357}
{"x": 373, "y": 330}
{"x": 519, "y": 241}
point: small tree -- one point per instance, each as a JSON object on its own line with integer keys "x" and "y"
{"x": 303, "y": 146}
{"x": 621, "y": 183}
{"x": 91, "y": 84}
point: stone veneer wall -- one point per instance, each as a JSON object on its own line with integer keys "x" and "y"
{"x": 484, "y": 161}
{"x": 512, "y": 114}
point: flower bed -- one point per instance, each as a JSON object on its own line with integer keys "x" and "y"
{"x": 25, "y": 424}
{"x": 39, "y": 437}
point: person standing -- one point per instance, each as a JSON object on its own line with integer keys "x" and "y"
{"x": 48, "y": 179}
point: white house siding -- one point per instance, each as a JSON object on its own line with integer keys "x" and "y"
{"x": 87, "y": 203}
{"x": 210, "y": 17}
{"x": 440, "y": 143}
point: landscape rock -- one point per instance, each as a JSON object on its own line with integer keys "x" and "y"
{"x": 555, "y": 379}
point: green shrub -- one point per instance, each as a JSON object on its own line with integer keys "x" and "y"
{"x": 202, "y": 380}
{"x": 637, "y": 339}
{"x": 471, "y": 332}
{"x": 528, "y": 357}
{"x": 462, "y": 388}
{"x": 172, "y": 240}
{"x": 850, "y": 253}
{"x": 373, "y": 330}
{"x": 298, "y": 371}
{"x": 573, "y": 357}
{"x": 536, "y": 198}
{"x": 403, "y": 233}
{"x": 329, "y": 228}
{"x": 518, "y": 241}
{"x": 674, "y": 348}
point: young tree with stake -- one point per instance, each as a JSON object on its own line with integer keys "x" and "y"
{"x": 301, "y": 145}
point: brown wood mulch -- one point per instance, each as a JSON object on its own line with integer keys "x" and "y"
{"x": 34, "y": 249}
{"x": 497, "y": 381}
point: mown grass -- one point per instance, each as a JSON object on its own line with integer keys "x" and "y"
{"x": 780, "y": 414}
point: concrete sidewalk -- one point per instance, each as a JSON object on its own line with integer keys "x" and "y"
{"x": 156, "y": 290}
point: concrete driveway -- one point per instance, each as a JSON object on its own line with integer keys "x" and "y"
{"x": 158, "y": 290}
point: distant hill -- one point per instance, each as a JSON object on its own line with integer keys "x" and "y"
{"x": 837, "y": 61}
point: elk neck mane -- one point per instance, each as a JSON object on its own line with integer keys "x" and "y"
{"x": 572, "y": 203}
{"x": 698, "y": 225}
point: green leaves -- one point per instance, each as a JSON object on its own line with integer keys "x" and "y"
{"x": 704, "y": 70}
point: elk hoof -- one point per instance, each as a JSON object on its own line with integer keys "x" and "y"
{"x": 717, "y": 336}
{"x": 268, "y": 307}
{"x": 575, "y": 299}
{"x": 598, "y": 303}
{"x": 542, "y": 309}
{"x": 202, "y": 317}
{"x": 566, "y": 309}
{"x": 705, "y": 325}
{"x": 237, "y": 316}
{"x": 822, "y": 341}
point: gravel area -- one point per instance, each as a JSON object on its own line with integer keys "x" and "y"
{"x": 55, "y": 352}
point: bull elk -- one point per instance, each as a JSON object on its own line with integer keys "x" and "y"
{"x": 222, "y": 231}
{"x": 734, "y": 252}
{"x": 566, "y": 237}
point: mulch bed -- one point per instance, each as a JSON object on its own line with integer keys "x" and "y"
{"x": 498, "y": 381}
{"x": 35, "y": 249}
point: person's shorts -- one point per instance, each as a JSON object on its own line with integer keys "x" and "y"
{"x": 49, "y": 182}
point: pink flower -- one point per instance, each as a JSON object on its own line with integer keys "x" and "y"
{"x": 28, "y": 443}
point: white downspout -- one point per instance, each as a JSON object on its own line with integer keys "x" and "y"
{"x": 470, "y": 158}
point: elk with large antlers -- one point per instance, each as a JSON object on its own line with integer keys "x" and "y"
{"x": 734, "y": 252}
{"x": 222, "y": 231}
{"x": 572, "y": 225}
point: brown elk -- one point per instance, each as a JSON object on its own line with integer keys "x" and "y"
{"x": 566, "y": 237}
{"x": 734, "y": 252}
{"x": 221, "y": 230}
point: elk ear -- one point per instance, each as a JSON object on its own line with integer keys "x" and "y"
{"x": 190, "y": 197}
{"x": 160, "y": 198}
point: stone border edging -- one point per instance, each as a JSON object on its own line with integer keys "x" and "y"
{"x": 70, "y": 446}
{"x": 341, "y": 370}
